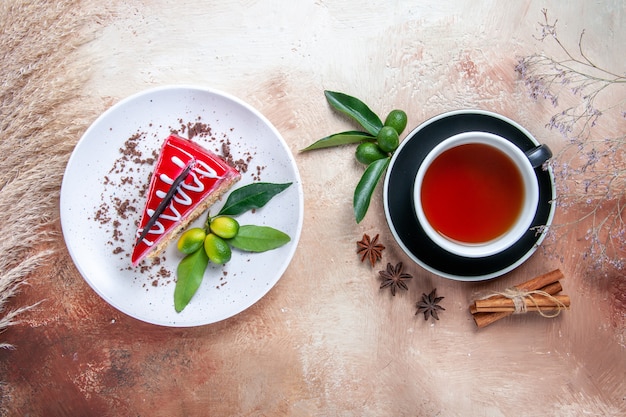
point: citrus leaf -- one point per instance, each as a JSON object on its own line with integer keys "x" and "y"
{"x": 251, "y": 196}
{"x": 338, "y": 139}
{"x": 365, "y": 188}
{"x": 189, "y": 274}
{"x": 253, "y": 238}
{"x": 356, "y": 109}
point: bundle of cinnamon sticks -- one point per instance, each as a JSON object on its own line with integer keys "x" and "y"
{"x": 538, "y": 294}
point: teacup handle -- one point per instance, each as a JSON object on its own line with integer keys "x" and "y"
{"x": 538, "y": 155}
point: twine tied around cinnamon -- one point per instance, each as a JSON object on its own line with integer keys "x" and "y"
{"x": 519, "y": 297}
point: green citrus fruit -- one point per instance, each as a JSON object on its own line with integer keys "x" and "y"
{"x": 368, "y": 152}
{"x": 396, "y": 119}
{"x": 387, "y": 139}
{"x": 191, "y": 240}
{"x": 224, "y": 226}
{"x": 217, "y": 249}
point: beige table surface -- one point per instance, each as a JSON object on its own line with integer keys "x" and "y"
{"x": 325, "y": 341}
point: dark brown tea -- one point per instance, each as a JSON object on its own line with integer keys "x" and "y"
{"x": 472, "y": 193}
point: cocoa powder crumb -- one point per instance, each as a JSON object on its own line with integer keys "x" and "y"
{"x": 123, "y": 207}
{"x": 102, "y": 214}
{"x": 117, "y": 236}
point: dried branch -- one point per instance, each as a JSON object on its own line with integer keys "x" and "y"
{"x": 590, "y": 171}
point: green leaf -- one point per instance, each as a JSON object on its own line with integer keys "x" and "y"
{"x": 338, "y": 139}
{"x": 356, "y": 109}
{"x": 189, "y": 277}
{"x": 367, "y": 184}
{"x": 258, "y": 238}
{"x": 251, "y": 196}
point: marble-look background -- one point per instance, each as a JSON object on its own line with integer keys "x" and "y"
{"x": 325, "y": 341}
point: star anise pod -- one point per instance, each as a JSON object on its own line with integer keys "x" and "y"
{"x": 394, "y": 278}
{"x": 370, "y": 249}
{"x": 429, "y": 305}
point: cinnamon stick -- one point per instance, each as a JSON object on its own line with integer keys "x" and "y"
{"x": 537, "y": 303}
{"x": 551, "y": 289}
{"x": 541, "y": 282}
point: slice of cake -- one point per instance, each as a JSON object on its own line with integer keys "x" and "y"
{"x": 209, "y": 178}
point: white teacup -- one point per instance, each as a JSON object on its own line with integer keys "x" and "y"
{"x": 476, "y": 193}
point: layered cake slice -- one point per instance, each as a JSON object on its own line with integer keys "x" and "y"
{"x": 204, "y": 177}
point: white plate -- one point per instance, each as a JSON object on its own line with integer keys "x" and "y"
{"x": 95, "y": 178}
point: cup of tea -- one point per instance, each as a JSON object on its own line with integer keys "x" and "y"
{"x": 476, "y": 193}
